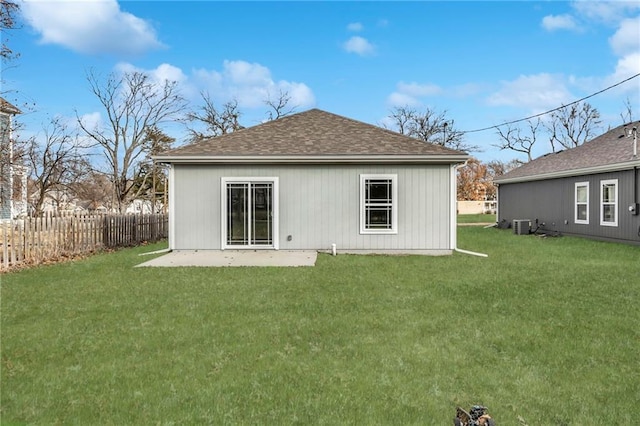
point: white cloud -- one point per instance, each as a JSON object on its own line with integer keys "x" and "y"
{"x": 605, "y": 11}
{"x": 402, "y": 99}
{"x": 91, "y": 120}
{"x": 92, "y": 27}
{"x": 355, "y": 26}
{"x": 418, "y": 90}
{"x": 626, "y": 67}
{"x": 627, "y": 38}
{"x": 359, "y": 45}
{"x": 250, "y": 84}
{"x": 161, "y": 74}
{"x": 559, "y": 22}
{"x": 536, "y": 92}
{"x": 466, "y": 90}
{"x": 408, "y": 94}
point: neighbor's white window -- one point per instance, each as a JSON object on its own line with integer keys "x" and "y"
{"x": 609, "y": 202}
{"x": 378, "y": 204}
{"x": 582, "y": 203}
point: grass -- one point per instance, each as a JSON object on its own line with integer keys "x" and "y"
{"x": 543, "y": 332}
{"x": 477, "y": 218}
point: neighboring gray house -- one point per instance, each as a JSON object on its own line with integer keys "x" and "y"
{"x": 7, "y": 168}
{"x": 311, "y": 180}
{"x": 591, "y": 190}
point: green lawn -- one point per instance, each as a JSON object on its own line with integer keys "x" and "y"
{"x": 543, "y": 332}
{"x": 477, "y": 218}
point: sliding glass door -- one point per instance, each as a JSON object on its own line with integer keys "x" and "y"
{"x": 249, "y": 213}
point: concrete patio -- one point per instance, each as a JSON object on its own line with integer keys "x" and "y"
{"x": 222, "y": 258}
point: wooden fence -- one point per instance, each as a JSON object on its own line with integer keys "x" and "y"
{"x": 42, "y": 239}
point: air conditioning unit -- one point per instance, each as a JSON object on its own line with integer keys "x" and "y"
{"x": 521, "y": 226}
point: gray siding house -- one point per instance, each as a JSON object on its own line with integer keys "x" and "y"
{"x": 592, "y": 190}
{"x": 311, "y": 180}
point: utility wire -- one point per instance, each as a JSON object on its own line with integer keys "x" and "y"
{"x": 551, "y": 110}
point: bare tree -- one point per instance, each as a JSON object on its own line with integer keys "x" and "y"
{"x": 216, "y": 121}
{"x": 132, "y": 103}
{"x": 403, "y": 119}
{"x": 54, "y": 163}
{"x": 572, "y": 125}
{"x": 429, "y": 126}
{"x": 8, "y": 12}
{"x": 150, "y": 178}
{"x": 279, "y": 107}
{"x": 95, "y": 189}
{"x": 518, "y": 140}
{"x": 497, "y": 168}
{"x": 627, "y": 114}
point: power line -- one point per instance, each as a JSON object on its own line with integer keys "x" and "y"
{"x": 551, "y": 110}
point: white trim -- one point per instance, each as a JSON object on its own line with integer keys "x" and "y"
{"x": 627, "y": 165}
{"x": 172, "y": 208}
{"x": 394, "y": 204}
{"x": 453, "y": 207}
{"x": 223, "y": 213}
{"x": 313, "y": 159}
{"x": 575, "y": 203}
{"x": 615, "y": 202}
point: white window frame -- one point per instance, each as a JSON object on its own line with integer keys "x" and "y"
{"x": 614, "y": 203}
{"x": 364, "y": 204}
{"x": 579, "y": 203}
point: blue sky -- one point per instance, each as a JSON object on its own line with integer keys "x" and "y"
{"x": 483, "y": 62}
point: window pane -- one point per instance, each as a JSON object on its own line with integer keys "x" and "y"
{"x": 237, "y": 214}
{"x": 581, "y": 194}
{"x": 378, "y": 191}
{"x": 582, "y": 212}
{"x": 608, "y": 213}
{"x": 379, "y": 218}
{"x": 608, "y": 193}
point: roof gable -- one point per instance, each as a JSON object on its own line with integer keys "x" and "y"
{"x": 7, "y": 108}
{"x": 312, "y": 133}
{"x": 609, "y": 151}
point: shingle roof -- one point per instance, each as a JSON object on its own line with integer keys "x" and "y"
{"x": 8, "y": 108}
{"x": 311, "y": 133}
{"x": 609, "y": 151}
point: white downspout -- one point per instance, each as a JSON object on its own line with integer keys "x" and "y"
{"x": 454, "y": 212}
{"x": 172, "y": 208}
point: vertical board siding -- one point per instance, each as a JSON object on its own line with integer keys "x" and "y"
{"x": 319, "y": 206}
{"x": 552, "y": 202}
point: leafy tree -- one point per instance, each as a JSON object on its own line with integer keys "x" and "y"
{"x": 475, "y": 178}
{"x": 133, "y": 104}
{"x": 472, "y": 181}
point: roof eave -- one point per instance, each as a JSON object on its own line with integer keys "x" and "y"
{"x": 313, "y": 159}
{"x": 574, "y": 172}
